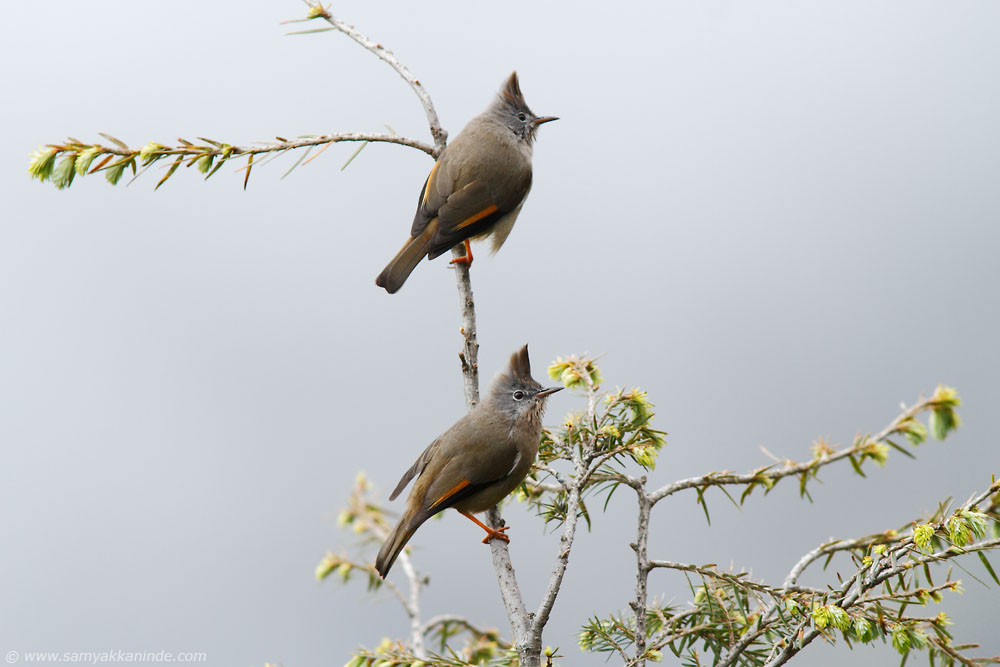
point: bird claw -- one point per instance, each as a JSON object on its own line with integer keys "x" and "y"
{"x": 466, "y": 258}
{"x": 498, "y": 534}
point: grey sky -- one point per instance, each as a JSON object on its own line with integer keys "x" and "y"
{"x": 778, "y": 218}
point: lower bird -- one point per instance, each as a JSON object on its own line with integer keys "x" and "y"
{"x": 474, "y": 464}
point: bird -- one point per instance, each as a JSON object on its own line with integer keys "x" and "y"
{"x": 478, "y": 461}
{"x": 475, "y": 189}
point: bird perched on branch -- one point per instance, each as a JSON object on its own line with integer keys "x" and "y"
{"x": 475, "y": 189}
{"x": 476, "y": 462}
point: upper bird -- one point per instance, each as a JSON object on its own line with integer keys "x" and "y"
{"x": 474, "y": 465}
{"x": 475, "y": 189}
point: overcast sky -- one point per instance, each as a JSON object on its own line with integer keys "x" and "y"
{"x": 778, "y": 218}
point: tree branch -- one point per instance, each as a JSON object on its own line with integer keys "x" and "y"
{"x": 386, "y": 56}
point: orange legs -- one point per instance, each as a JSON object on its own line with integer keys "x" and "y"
{"x": 490, "y": 533}
{"x": 465, "y": 260}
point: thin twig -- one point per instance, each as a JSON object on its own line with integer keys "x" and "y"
{"x": 389, "y": 58}
{"x": 720, "y": 479}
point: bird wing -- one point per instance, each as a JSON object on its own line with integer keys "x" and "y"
{"x": 468, "y": 212}
{"x": 470, "y": 465}
{"x": 463, "y": 208}
{"x": 415, "y": 469}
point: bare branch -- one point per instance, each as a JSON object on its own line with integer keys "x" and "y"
{"x": 387, "y": 56}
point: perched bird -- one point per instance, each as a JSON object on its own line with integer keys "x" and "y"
{"x": 475, "y": 189}
{"x": 478, "y": 461}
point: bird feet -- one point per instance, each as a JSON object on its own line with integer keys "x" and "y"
{"x": 499, "y": 534}
{"x": 491, "y": 533}
{"x": 465, "y": 259}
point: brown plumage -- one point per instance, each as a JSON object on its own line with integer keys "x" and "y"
{"x": 476, "y": 188}
{"x": 474, "y": 464}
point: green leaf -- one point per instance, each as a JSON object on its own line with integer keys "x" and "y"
{"x": 62, "y": 175}
{"x": 944, "y": 419}
{"x": 704, "y": 505}
{"x": 989, "y": 568}
{"x": 114, "y": 172}
{"x": 856, "y": 465}
{"x": 170, "y": 172}
{"x": 914, "y": 431}
{"x": 204, "y": 163}
{"x": 803, "y": 491}
{"x": 899, "y": 449}
{"x": 355, "y": 154}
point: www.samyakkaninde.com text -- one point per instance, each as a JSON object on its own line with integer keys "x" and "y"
{"x": 102, "y": 657}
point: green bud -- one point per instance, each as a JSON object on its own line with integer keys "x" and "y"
{"x": 41, "y": 163}
{"x": 958, "y": 531}
{"x": 877, "y": 451}
{"x": 900, "y": 639}
{"x": 84, "y": 159}
{"x": 644, "y": 456}
{"x": 915, "y": 432}
{"x": 326, "y": 566}
{"x": 821, "y": 616}
{"x": 864, "y": 629}
{"x": 946, "y": 397}
{"x": 922, "y": 535}
{"x": 839, "y": 618}
{"x": 977, "y": 522}
{"x": 150, "y": 152}
{"x": 573, "y": 372}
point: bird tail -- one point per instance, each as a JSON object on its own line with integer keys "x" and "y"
{"x": 397, "y": 539}
{"x": 399, "y": 269}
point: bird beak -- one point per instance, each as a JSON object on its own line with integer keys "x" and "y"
{"x": 546, "y": 392}
{"x": 545, "y": 119}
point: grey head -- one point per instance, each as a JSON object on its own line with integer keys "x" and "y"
{"x": 511, "y": 110}
{"x": 518, "y": 395}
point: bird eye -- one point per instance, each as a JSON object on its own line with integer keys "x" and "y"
{"x": 518, "y": 395}
{"x": 521, "y": 117}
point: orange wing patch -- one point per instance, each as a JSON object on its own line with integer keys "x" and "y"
{"x": 450, "y": 492}
{"x": 492, "y": 208}
{"x": 430, "y": 180}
